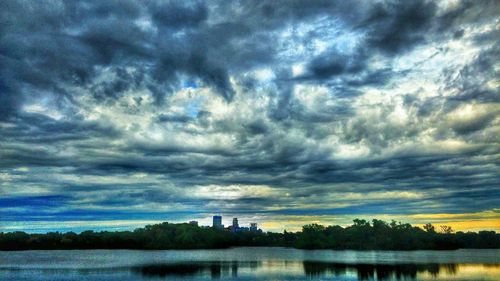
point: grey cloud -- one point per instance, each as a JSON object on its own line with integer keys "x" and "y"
{"x": 333, "y": 63}
{"x": 470, "y": 81}
{"x": 472, "y": 125}
{"x": 397, "y": 26}
{"x": 467, "y": 11}
{"x": 119, "y": 89}
{"x": 176, "y": 15}
{"x": 173, "y": 118}
{"x": 112, "y": 88}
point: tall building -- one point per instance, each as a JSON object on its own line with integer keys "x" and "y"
{"x": 235, "y": 227}
{"x": 253, "y": 226}
{"x": 217, "y": 222}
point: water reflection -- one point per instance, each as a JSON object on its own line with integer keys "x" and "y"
{"x": 262, "y": 264}
{"x": 310, "y": 269}
{"x": 380, "y": 272}
{"x": 213, "y": 269}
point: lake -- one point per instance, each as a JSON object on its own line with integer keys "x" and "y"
{"x": 250, "y": 264}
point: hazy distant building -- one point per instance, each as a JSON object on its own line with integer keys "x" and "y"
{"x": 217, "y": 222}
{"x": 194, "y": 223}
{"x": 235, "y": 226}
{"x": 253, "y": 226}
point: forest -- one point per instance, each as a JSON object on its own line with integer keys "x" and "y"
{"x": 361, "y": 235}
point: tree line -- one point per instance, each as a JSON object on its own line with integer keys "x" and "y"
{"x": 361, "y": 235}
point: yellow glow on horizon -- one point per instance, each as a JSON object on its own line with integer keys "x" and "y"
{"x": 487, "y": 220}
{"x": 473, "y": 225}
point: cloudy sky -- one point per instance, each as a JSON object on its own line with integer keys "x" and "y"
{"x": 116, "y": 114}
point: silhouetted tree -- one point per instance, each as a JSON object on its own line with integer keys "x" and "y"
{"x": 429, "y": 228}
{"x": 446, "y": 229}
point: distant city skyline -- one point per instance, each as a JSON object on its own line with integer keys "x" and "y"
{"x": 217, "y": 222}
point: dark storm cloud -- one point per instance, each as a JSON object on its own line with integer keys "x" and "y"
{"x": 173, "y": 118}
{"x": 178, "y": 15}
{"x": 124, "y": 81}
{"x": 38, "y": 128}
{"x": 333, "y": 63}
{"x": 396, "y": 26}
{"x": 49, "y": 45}
{"x": 112, "y": 104}
{"x": 68, "y": 40}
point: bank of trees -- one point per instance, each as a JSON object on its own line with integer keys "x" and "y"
{"x": 380, "y": 235}
{"x": 361, "y": 235}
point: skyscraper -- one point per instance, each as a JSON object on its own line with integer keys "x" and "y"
{"x": 217, "y": 222}
{"x": 235, "y": 223}
{"x": 253, "y": 226}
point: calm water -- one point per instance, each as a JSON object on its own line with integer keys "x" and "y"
{"x": 250, "y": 264}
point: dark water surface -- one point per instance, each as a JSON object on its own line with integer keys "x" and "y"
{"x": 250, "y": 264}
